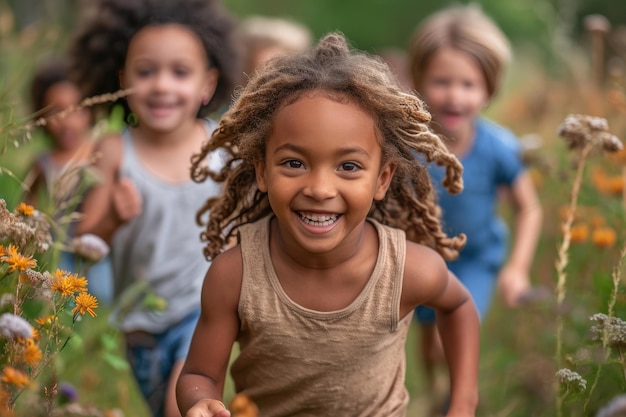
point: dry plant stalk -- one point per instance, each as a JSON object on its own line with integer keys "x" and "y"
{"x": 582, "y": 133}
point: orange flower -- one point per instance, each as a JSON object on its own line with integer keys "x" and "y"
{"x": 18, "y": 262}
{"x": 604, "y": 237}
{"x": 67, "y": 283}
{"x": 25, "y": 209}
{"x": 32, "y": 354}
{"x": 44, "y": 320}
{"x": 85, "y": 303}
{"x": 3, "y": 251}
{"x": 14, "y": 377}
{"x": 579, "y": 233}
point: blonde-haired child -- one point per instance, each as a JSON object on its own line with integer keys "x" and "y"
{"x": 457, "y": 59}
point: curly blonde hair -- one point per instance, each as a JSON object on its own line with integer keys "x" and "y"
{"x": 401, "y": 120}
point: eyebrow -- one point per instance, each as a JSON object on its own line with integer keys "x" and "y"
{"x": 341, "y": 152}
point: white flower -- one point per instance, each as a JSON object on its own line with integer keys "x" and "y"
{"x": 12, "y": 326}
{"x": 90, "y": 246}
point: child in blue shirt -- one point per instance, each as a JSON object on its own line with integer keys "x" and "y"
{"x": 457, "y": 57}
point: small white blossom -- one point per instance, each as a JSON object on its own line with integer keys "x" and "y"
{"x": 614, "y": 327}
{"x": 90, "y": 246}
{"x": 12, "y": 326}
{"x": 571, "y": 379}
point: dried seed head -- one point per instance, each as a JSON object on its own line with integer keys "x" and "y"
{"x": 580, "y": 130}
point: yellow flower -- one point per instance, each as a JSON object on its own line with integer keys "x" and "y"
{"x": 67, "y": 283}
{"x": 17, "y": 262}
{"x": 25, "y": 209}
{"x": 78, "y": 283}
{"x": 579, "y": 233}
{"x": 3, "y": 251}
{"x": 604, "y": 237}
{"x": 85, "y": 303}
{"x": 14, "y": 377}
{"x": 32, "y": 354}
{"x": 45, "y": 321}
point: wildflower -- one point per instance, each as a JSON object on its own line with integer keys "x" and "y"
{"x": 579, "y": 130}
{"x": 25, "y": 210}
{"x": 67, "y": 283}
{"x": 611, "y": 328}
{"x": 12, "y": 326}
{"x": 90, "y": 246}
{"x": 32, "y": 354}
{"x": 67, "y": 393}
{"x": 35, "y": 277}
{"x": 15, "y": 377}
{"x": 579, "y": 233}
{"x": 572, "y": 380}
{"x": 45, "y": 321}
{"x": 604, "y": 237}
{"x": 18, "y": 262}
{"x": 3, "y": 251}
{"x": 85, "y": 303}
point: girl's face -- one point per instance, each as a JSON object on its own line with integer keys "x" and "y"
{"x": 454, "y": 88}
{"x": 71, "y": 130}
{"x": 168, "y": 70}
{"x": 322, "y": 171}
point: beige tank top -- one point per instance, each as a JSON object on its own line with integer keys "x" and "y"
{"x": 295, "y": 361}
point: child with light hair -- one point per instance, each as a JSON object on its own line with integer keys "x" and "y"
{"x": 266, "y": 37}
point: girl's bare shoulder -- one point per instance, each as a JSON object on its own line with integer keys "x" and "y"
{"x": 425, "y": 272}
{"x": 226, "y": 273}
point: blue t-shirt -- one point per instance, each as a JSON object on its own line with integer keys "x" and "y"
{"x": 492, "y": 161}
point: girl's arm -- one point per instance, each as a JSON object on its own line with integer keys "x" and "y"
{"x": 99, "y": 215}
{"x": 427, "y": 281}
{"x": 201, "y": 383}
{"x": 514, "y": 279}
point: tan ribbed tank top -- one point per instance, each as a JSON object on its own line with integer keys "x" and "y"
{"x": 295, "y": 361}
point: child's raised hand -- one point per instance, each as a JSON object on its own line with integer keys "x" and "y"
{"x": 208, "y": 408}
{"x": 126, "y": 200}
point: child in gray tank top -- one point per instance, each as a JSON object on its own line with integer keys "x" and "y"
{"x": 338, "y": 242}
{"x": 177, "y": 61}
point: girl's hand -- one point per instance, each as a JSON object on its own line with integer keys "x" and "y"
{"x": 126, "y": 200}
{"x": 513, "y": 283}
{"x": 208, "y": 408}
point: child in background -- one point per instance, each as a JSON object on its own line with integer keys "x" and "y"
{"x": 457, "y": 57}
{"x": 179, "y": 59}
{"x": 320, "y": 291}
{"x": 267, "y": 37}
{"x": 59, "y": 176}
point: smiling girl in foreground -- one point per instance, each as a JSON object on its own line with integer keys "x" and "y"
{"x": 319, "y": 292}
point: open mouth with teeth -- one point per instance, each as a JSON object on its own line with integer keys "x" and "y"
{"x": 318, "y": 219}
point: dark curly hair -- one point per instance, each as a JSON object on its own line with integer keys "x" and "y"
{"x": 98, "y": 50}
{"x": 400, "y": 117}
{"x": 48, "y": 74}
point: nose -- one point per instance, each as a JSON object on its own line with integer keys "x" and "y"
{"x": 320, "y": 185}
{"x": 162, "y": 80}
{"x": 455, "y": 92}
